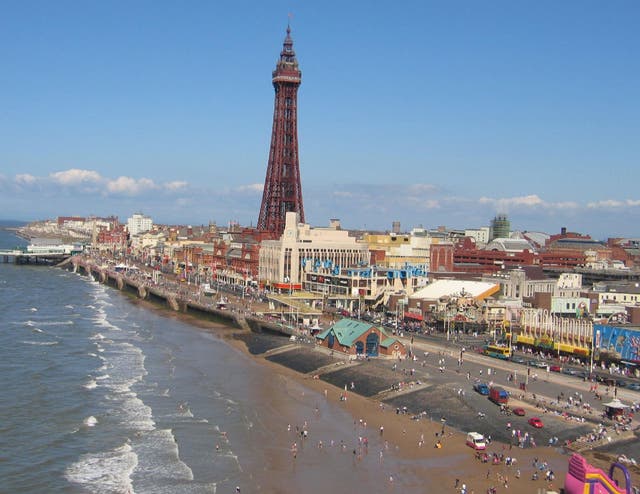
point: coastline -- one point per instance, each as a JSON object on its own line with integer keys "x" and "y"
{"x": 453, "y": 461}
{"x": 441, "y": 467}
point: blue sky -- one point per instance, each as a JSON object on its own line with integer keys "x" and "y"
{"x": 429, "y": 113}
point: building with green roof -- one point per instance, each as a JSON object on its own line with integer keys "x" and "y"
{"x": 360, "y": 338}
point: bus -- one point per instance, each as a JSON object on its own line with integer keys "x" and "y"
{"x": 497, "y": 351}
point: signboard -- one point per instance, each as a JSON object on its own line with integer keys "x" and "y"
{"x": 618, "y": 342}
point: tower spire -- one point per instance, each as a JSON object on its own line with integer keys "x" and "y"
{"x": 282, "y": 188}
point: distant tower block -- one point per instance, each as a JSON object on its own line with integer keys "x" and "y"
{"x": 500, "y": 227}
{"x": 395, "y": 227}
{"x": 282, "y": 189}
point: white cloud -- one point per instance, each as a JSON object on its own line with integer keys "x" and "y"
{"x": 532, "y": 201}
{"x": 130, "y": 186}
{"x": 90, "y": 181}
{"x": 613, "y": 204}
{"x": 250, "y": 188}
{"x": 176, "y": 185}
{"x": 75, "y": 176}
{"x": 25, "y": 179}
{"x": 525, "y": 201}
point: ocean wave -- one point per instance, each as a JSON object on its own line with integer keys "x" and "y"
{"x": 160, "y": 458}
{"x": 101, "y": 320}
{"x": 49, "y": 323}
{"x": 224, "y": 398}
{"x": 90, "y": 384}
{"x": 90, "y": 421}
{"x": 107, "y": 471}
{"x": 40, "y": 343}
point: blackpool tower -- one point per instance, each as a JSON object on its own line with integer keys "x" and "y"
{"x": 282, "y": 189}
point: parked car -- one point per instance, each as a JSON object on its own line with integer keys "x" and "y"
{"x": 517, "y": 359}
{"x": 536, "y": 422}
{"x": 569, "y": 371}
{"x": 634, "y": 386}
{"x": 555, "y": 368}
{"x": 476, "y": 441}
{"x": 481, "y": 388}
{"x": 518, "y": 411}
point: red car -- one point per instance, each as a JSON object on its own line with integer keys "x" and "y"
{"x": 536, "y": 422}
{"x": 518, "y": 411}
{"x": 555, "y": 368}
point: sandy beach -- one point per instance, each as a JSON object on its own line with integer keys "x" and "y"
{"x": 416, "y": 440}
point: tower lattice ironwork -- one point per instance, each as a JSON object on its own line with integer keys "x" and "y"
{"x": 282, "y": 188}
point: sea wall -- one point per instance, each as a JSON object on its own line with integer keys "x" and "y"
{"x": 176, "y": 300}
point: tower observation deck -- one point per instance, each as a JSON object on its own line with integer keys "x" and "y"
{"x": 282, "y": 191}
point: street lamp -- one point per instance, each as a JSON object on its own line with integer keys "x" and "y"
{"x": 595, "y": 339}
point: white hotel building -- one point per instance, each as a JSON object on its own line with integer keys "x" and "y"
{"x": 301, "y": 249}
{"x": 139, "y": 223}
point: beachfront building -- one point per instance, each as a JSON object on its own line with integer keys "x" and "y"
{"x": 542, "y": 330}
{"x": 365, "y": 288}
{"x": 451, "y": 298}
{"x": 395, "y": 250}
{"x": 522, "y": 283}
{"x": 360, "y": 339}
{"x": 302, "y": 249}
{"x": 139, "y": 223}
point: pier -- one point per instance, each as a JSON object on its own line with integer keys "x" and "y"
{"x": 42, "y": 256}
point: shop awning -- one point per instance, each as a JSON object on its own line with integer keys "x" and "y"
{"x": 413, "y": 315}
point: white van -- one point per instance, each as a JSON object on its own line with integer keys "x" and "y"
{"x": 476, "y": 440}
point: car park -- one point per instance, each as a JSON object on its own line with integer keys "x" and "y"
{"x": 536, "y": 422}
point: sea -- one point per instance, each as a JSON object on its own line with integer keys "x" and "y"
{"x": 103, "y": 394}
